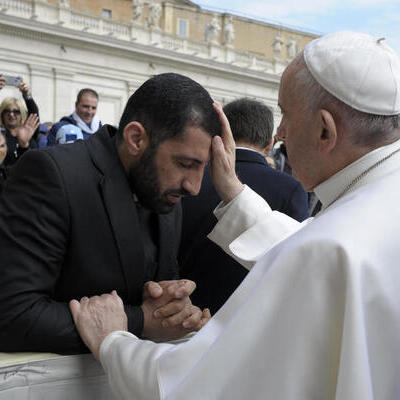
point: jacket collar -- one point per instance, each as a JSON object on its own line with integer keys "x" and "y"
{"x": 245, "y": 155}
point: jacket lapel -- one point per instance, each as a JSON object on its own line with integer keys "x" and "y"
{"x": 121, "y": 209}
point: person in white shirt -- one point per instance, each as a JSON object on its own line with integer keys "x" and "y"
{"x": 318, "y": 316}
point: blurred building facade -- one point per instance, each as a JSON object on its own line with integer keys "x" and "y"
{"x": 113, "y": 46}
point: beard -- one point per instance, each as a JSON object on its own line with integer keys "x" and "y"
{"x": 144, "y": 182}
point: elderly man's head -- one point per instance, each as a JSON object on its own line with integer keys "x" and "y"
{"x": 339, "y": 99}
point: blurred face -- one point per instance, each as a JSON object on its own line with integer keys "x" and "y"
{"x": 296, "y": 130}
{"x": 3, "y": 148}
{"x": 11, "y": 117}
{"x": 86, "y": 108}
{"x": 175, "y": 169}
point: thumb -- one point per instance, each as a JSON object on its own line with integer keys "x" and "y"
{"x": 217, "y": 147}
{"x": 153, "y": 289}
{"x": 75, "y": 308}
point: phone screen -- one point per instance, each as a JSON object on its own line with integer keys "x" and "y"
{"x": 12, "y": 80}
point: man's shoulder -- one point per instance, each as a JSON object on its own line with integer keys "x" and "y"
{"x": 63, "y": 158}
{"x": 66, "y": 120}
{"x": 257, "y": 171}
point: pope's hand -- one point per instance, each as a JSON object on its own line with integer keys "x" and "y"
{"x": 222, "y": 163}
{"x": 98, "y": 316}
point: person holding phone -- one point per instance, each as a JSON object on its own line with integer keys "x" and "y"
{"x": 18, "y": 123}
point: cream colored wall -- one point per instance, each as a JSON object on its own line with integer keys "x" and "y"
{"x": 253, "y": 36}
{"x": 116, "y": 64}
{"x": 121, "y": 10}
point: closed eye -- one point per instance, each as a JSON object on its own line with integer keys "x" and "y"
{"x": 185, "y": 165}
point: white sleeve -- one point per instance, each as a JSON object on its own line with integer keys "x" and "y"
{"x": 247, "y": 227}
{"x": 132, "y": 365}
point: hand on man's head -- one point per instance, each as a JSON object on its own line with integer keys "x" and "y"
{"x": 222, "y": 161}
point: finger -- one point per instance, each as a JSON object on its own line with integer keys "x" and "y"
{"x": 189, "y": 317}
{"x": 217, "y": 149}
{"x": 226, "y": 132}
{"x": 114, "y": 294}
{"x": 152, "y": 289}
{"x": 84, "y": 300}
{"x": 183, "y": 288}
{"x": 75, "y": 308}
{"x": 32, "y": 119}
{"x": 194, "y": 319}
{"x": 206, "y": 316}
{"x": 171, "y": 308}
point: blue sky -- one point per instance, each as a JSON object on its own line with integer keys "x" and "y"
{"x": 380, "y": 18}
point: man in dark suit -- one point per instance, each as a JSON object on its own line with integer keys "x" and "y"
{"x": 95, "y": 216}
{"x": 215, "y": 273}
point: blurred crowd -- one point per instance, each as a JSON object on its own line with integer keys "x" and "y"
{"x": 21, "y": 129}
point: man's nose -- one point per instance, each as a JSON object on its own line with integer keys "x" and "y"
{"x": 192, "y": 184}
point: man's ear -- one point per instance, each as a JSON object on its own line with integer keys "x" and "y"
{"x": 135, "y": 138}
{"x": 269, "y": 147}
{"x": 328, "y": 132}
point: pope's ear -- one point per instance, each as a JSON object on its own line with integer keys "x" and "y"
{"x": 135, "y": 138}
{"x": 328, "y": 132}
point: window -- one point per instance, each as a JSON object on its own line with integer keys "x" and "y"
{"x": 182, "y": 27}
{"x": 106, "y": 13}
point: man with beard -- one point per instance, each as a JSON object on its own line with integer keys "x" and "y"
{"x": 99, "y": 215}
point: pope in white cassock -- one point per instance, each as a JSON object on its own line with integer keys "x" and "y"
{"x": 318, "y": 316}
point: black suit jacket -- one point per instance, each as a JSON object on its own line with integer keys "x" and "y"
{"x": 216, "y": 274}
{"x": 69, "y": 228}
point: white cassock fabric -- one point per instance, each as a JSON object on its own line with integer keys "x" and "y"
{"x": 317, "y": 317}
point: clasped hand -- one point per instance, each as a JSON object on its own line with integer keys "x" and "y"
{"x": 167, "y": 308}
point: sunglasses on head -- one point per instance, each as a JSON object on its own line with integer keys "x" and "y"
{"x": 15, "y": 111}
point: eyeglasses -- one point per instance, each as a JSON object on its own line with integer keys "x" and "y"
{"x": 15, "y": 111}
